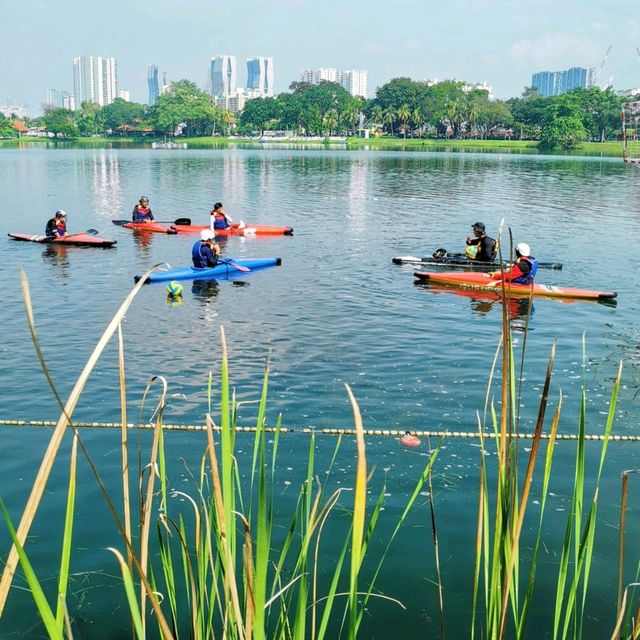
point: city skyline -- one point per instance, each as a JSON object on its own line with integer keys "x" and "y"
{"x": 485, "y": 40}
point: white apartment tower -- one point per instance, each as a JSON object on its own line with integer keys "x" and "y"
{"x": 260, "y": 76}
{"x": 223, "y": 76}
{"x": 95, "y": 79}
{"x": 316, "y": 76}
{"x": 354, "y": 81}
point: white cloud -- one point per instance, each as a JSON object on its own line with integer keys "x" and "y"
{"x": 559, "y": 50}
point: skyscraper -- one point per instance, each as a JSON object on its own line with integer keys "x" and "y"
{"x": 354, "y": 81}
{"x": 95, "y": 79}
{"x": 223, "y": 76}
{"x": 260, "y": 75}
{"x": 316, "y": 76}
{"x": 553, "y": 83}
{"x": 152, "y": 82}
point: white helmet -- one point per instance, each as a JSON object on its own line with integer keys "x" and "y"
{"x": 523, "y": 249}
{"x": 207, "y": 234}
{"x": 61, "y": 214}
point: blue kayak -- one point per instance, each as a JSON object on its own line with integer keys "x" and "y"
{"x": 224, "y": 269}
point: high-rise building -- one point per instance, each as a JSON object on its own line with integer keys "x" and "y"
{"x": 260, "y": 75}
{"x": 553, "y": 83}
{"x": 124, "y": 94}
{"x": 95, "y": 79}
{"x": 354, "y": 81}
{"x": 316, "y": 76}
{"x": 152, "y": 82}
{"x": 223, "y": 76}
{"x": 53, "y": 99}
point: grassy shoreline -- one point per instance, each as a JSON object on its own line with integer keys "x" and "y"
{"x": 611, "y": 149}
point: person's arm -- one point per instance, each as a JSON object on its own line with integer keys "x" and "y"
{"x": 471, "y": 241}
{"x": 151, "y": 214}
{"x": 514, "y": 272}
{"x": 134, "y": 213}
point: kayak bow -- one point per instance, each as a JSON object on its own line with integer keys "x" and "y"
{"x": 146, "y": 227}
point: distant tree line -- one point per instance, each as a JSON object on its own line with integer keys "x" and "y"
{"x": 402, "y": 107}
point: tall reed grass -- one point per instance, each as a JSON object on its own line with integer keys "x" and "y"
{"x": 215, "y": 568}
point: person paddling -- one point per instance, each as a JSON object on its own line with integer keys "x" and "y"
{"x": 205, "y": 252}
{"x": 485, "y": 246}
{"x": 57, "y": 226}
{"x": 523, "y": 270}
{"x": 142, "y": 212}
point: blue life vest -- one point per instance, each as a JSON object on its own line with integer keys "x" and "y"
{"x": 202, "y": 256}
{"x": 528, "y": 279}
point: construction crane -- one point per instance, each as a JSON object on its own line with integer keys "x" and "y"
{"x": 596, "y": 75}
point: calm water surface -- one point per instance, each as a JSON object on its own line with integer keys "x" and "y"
{"x": 337, "y": 311}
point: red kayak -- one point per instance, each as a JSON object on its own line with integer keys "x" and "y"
{"x": 237, "y": 230}
{"x": 475, "y": 281}
{"x": 75, "y": 239}
{"x": 146, "y": 227}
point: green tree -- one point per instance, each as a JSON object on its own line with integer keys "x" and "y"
{"x": 62, "y": 123}
{"x": 600, "y": 112}
{"x": 350, "y": 116}
{"x": 6, "y": 130}
{"x": 89, "y": 119}
{"x": 562, "y": 124}
{"x": 121, "y": 116}
{"x": 528, "y": 112}
{"x": 417, "y": 120}
{"x": 258, "y": 112}
{"x": 493, "y": 115}
{"x": 389, "y": 117}
{"x": 404, "y": 113}
{"x": 330, "y": 121}
{"x": 184, "y": 104}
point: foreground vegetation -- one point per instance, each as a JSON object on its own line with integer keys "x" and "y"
{"x": 214, "y": 567}
{"x": 402, "y": 107}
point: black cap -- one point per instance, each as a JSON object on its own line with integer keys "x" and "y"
{"x": 479, "y": 226}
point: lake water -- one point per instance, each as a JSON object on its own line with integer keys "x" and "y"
{"x": 337, "y": 311}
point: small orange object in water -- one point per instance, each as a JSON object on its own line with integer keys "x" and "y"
{"x": 408, "y": 440}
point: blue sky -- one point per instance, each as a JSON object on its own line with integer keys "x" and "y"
{"x": 498, "y": 41}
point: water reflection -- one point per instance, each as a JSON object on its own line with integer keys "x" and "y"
{"x": 205, "y": 290}
{"x": 482, "y": 302}
{"x": 105, "y": 182}
{"x": 143, "y": 241}
{"x": 358, "y": 178}
{"x": 56, "y": 255}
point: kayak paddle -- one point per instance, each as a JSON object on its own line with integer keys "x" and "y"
{"x": 182, "y": 221}
{"x": 88, "y": 232}
{"x": 239, "y": 267}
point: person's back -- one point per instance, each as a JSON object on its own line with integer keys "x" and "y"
{"x": 485, "y": 245}
{"x": 204, "y": 253}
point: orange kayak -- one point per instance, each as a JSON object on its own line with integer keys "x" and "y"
{"x": 475, "y": 281}
{"x": 236, "y": 230}
{"x": 146, "y": 227}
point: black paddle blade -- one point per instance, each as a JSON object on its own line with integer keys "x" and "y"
{"x": 183, "y": 221}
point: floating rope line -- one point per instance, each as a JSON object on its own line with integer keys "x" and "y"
{"x": 325, "y": 431}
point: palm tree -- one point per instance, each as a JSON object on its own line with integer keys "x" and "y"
{"x": 330, "y": 120}
{"x": 376, "y": 114}
{"x": 350, "y": 116}
{"x": 389, "y": 117}
{"x": 404, "y": 113}
{"x": 417, "y": 120}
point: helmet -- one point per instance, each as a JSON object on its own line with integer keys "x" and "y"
{"x": 61, "y": 214}
{"x": 207, "y": 234}
{"x": 523, "y": 249}
{"x": 144, "y": 199}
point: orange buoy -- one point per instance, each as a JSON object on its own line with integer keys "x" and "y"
{"x": 409, "y": 440}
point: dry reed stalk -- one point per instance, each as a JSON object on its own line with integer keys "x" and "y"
{"x": 126, "y": 505}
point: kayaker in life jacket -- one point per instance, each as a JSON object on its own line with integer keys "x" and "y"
{"x": 205, "y": 251}
{"x": 57, "y": 226}
{"x": 523, "y": 270}
{"x": 481, "y": 247}
{"x": 142, "y": 212}
{"x": 219, "y": 219}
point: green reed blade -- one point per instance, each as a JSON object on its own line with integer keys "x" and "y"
{"x": 63, "y": 577}
{"x": 131, "y": 594}
{"x": 48, "y": 619}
